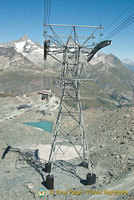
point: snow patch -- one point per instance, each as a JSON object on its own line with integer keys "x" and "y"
{"x": 20, "y": 46}
{"x": 98, "y": 59}
{"x": 128, "y": 61}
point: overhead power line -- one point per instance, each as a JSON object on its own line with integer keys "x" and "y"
{"x": 122, "y": 26}
{"x": 78, "y": 11}
{"x": 121, "y": 29}
{"x": 115, "y": 31}
{"x": 120, "y": 16}
{"x": 47, "y": 10}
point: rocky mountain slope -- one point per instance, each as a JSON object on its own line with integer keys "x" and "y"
{"x": 109, "y": 73}
{"x": 22, "y": 70}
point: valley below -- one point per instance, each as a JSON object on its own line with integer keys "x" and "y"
{"x": 110, "y": 136}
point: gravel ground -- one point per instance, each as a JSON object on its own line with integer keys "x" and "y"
{"x": 110, "y": 136}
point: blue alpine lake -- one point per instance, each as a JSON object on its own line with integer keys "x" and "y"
{"x": 45, "y": 125}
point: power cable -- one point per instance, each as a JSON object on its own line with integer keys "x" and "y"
{"x": 121, "y": 29}
{"x": 47, "y": 9}
{"x": 118, "y": 17}
{"x": 121, "y": 26}
{"x": 78, "y": 11}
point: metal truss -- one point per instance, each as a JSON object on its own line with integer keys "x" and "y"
{"x": 69, "y": 51}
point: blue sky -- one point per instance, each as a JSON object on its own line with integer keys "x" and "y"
{"x": 19, "y": 17}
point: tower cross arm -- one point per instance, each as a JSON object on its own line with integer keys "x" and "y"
{"x": 80, "y": 26}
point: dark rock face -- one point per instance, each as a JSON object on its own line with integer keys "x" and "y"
{"x": 7, "y": 52}
{"x": 16, "y": 60}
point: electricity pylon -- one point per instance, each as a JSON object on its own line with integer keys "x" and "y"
{"x": 70, "y": 51}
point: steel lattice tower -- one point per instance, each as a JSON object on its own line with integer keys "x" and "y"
{"x": 69, "y": 51}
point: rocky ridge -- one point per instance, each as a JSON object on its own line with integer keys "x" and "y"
{"x": 22, "y": 62}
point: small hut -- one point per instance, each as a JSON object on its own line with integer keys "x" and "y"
{"x": 44, "y": 97}
{"x": 45, "y": 94}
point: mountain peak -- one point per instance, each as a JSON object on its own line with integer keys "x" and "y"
{"x": 113, "y": 59}
{"x": 23, "y": 38}
{"x": 128, "y": 61}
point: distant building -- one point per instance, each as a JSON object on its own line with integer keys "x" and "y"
{"x": 44, "y": 97}
{"x": 45, "y": 94}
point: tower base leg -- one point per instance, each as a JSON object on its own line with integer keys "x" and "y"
{"x": 47, "y": 168}
{"x": 91, "y": 179}
{"x": 50, "y": 182}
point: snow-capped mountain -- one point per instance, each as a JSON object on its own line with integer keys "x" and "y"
{"x": 129, "y": 63}
{"x": 21, "y": 62}
{"x": 29, "y": 49}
